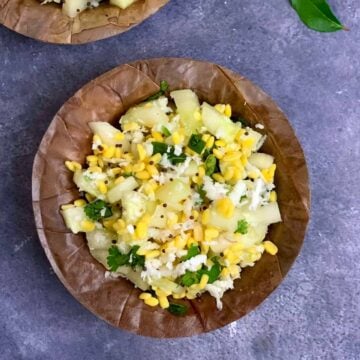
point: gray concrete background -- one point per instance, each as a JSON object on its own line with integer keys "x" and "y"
{"x": 314, "y": 77}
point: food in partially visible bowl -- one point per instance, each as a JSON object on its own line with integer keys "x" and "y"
{"x": 178, "y": 199}
{"x": 72, "y": 8}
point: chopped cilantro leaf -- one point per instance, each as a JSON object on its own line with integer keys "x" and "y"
{"x": 177, "y": 309}
{"x": 196, "y": 143}
{"x": 176, "y": 159}
{"x": 97, "y": 210}
{"x": 192, "y": 251}
{"x": 213, "y": 272}
{"x": 242, "y": 227}
{"x": 161, "y": 148}
{"x": 127, "y": 174}
{"x": 210, "y": 165}
{"x": 163, "y": 88}
{"x": 190, "y": 278}
{"x": 165, "y": 131}
{"x": 116, "y": 259}
{"x": 201, "y": 192}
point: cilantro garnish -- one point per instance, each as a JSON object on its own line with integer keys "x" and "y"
{"x": 200, "y": 190}
{"x": 242, "y": 227}
{"x": 194, "y": 277}
{"x": 196, "y": 143}
{"x": 192, "y": 251}
{"x": 210, "y": 165}
{"x": 163, "y": 88}
{"x": 116, "y": 259}
{"x": 165, "y": 131}
{"x": 169, "y": 150}
{"x": 177, "y": 309}
{"x": 97, "y": 210}
{"x": 190, "y": 278}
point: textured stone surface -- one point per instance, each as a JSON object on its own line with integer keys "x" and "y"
{"x": 315, "y": 79}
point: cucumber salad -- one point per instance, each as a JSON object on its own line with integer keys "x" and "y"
{"x": 177, "y": 199}
{"x": 72, "y": 8}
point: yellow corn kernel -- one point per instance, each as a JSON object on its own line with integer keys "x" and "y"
{"x": 205, "y": 137}
{"x": 128, "y": 169}
{"x": 234, "y": 270}
{"x": 119, "y": 180}
{"x": 218, "y": 177}
{"x": 143, "y": 175}
{"x": 191, "y": 296}
{"x": 153, "y": 184}
{"x": 102, "y": 187}
{"x": 232, "y": 258}
{"x": 210, "y": 234}
{"x": 244, "y": 159}
{"x": 238, "y": 174}
{"x": 152, "y": 301}
{"x": 269, "y": 173}
{"x": 203, "y": 282}
{"x": 190, "y": 241}
{"x": 172, "y": 219}
{"x": 101, "y": 162}
{"x": 141, "y": 152}
{"x": 232, "y": 156}
{"x": 229, "y": 173}
{"x": 80, "y": 202}
{"x": 270, "y": 247}
{"x": 218, "y": 154}
{"x": 128, "y": 157}
{"x": 95, "y": 169}
{"x": 273, "y": 196}
{"x": 157, "y": 136}
{"x": 205, "y": 216}
{"x": 67, "y": 206}
{"x": 152, "y": 170}
{"x": 197, "y": 115}
{"x": 228, "y": 110}
{"x": 204, "y": 248}
{"x": 156, "y": 158}
{"x": 210, "y": 142}
{"x": 225, "y": 272}
{"x": 141, "y": 229}
{"x": 201, "y": 171}
{"x": 118, "y": 153}
{"x": 92, "y": 158}
{"x": 89, "y": 197}
{"x": 152, "y": 254}
{"x": 220, "y": 143}
{"x": 73, "y": 165}
{"x": 144, "y": 296}
{"x": 220, "y": 108}
{"x": 108, "y": 224}
{"x": 164, "y": 302}
{"x": 119, "y": 225}
{"x": 195, "y": 214}
{"x": 225, "y": 207}
{"x": 109, "y": 152}
{"x": 180, "y": 295}
{"x": 138, "y": 167}
{"x": 119, "y": 136}
{"x": 180, "y": 242}
{"x": 198, "y": 232}
{"x": 131, "y": 126}
{"x": 177, "y": 138}
{"x": 247, "y": 143}
{"x": 149, "y": 105}
{"x": 253, "y": 174}
{"x": 196, "y": 179}
{"x": 116, "y": 171}
{"x": 87, "y": 226}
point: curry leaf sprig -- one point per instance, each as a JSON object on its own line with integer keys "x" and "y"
{"x": 317, "y": 15}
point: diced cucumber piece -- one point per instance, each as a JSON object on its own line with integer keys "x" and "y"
{"x": 218, "y": 124}
{"x": 108, "y": 133}
{"x": 228, "y": 224}
{"x": 123, "y": 4}
{"x": 134, "y": 206}
{"x": 116, "y": 193}
{"x": 261, "y": 160}
{"x": 173, "y": 192}
{"x": 267, "y": 214}
{"x": 73, "y": 217}
{"x": 74, "y": 7}
{"x": 100, "y": 239}
{"x": 150, "y": 114}
{"x": 84, "y": 183}
{"x": 166, "y": 285}
{"x": 192, "y": 169}
{"x": 187, "y": 103}
{"x": 133, "y": 276}
{"x": 254, "y": 236}
{"x": 159, "y": 218}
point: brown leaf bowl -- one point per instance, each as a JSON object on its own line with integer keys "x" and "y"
{"x": 48, "y": 23}
{"x": 68, "y": 137}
